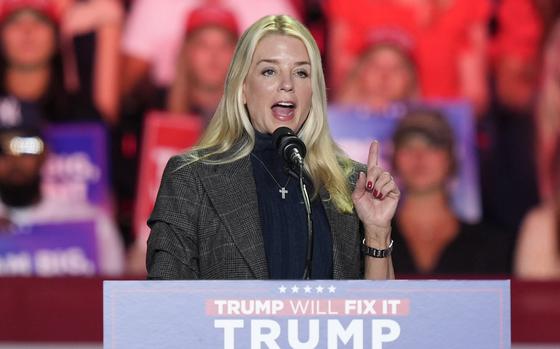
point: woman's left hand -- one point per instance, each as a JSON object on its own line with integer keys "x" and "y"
{"x": 375, "y": 198}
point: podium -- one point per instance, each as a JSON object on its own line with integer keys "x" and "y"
{"x": 307, "y": 314}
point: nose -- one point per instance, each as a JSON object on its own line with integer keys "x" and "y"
{"x": 287, "y": 84}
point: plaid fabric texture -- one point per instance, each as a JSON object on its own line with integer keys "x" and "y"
{"x": 206, "y": 225}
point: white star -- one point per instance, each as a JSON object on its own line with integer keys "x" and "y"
{"x": 307, "y": 289}
{"x": 332, "y": 289}
{"x": 319, "y": 289}
{"x": 295, "y": 289}
{"x": 282, "y": 289}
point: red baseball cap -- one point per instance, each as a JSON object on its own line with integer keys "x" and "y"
{"x": 44, "y": 7}
{"x": 391, "y": 36}
{"x": 215, "y": 15}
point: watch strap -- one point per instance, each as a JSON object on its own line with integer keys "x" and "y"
{"x": 377, "y": 253}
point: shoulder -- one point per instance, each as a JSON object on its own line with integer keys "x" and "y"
{"x": 186, "y": 173}
{"x": 482, "y": 231}
{"x": 488, "y": 237}
{"x": 181, "y": 170}
{"x": 539, "y": 222}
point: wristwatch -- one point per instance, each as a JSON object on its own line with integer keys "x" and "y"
{"x": 376, "y": 253}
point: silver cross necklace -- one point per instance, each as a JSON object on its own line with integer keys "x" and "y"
{"x": 282, "y": 189}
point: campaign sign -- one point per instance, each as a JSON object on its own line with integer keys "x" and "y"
{"x": 62, "y": 249}
{"x": 354, "y": 128}
{"x": 165, "y": 135}
{"x": 77, "y": 166}
{"x": 307, "y": 314}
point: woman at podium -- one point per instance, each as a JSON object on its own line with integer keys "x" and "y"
{"x": 244, "y": 204}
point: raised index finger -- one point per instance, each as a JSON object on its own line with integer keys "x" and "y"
{"x": 373, "y": 157}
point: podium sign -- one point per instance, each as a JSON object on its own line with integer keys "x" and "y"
{"x": 313, "y": 314}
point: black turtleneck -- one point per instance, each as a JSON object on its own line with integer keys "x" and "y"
{"x": 284, "y": 221}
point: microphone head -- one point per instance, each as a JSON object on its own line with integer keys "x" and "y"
{"x": 284, "y": 140}
{"x": 279, "y": 134}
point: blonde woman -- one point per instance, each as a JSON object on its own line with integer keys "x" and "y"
{"x": 229, "y": 210}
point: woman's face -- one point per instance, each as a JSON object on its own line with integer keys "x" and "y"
{"x": 28, "y": 39}
{"x": 277, "y": 89}
{"x": 209, "y": 52}
{"x": 421, "y": 166}
{"x": 386, "y": 76}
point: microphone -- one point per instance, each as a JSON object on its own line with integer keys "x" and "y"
{"x": 289, "y": 146}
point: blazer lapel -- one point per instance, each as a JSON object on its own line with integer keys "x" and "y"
{"x": 231, "y": 189}
{"x": 344, "y": 230}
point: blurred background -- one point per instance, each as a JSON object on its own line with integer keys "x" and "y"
{"x": 96, "y": 95}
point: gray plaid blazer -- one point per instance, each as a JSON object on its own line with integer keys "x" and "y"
{"x": 206, "y": 225}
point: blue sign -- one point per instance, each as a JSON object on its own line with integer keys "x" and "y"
{"x": 65, "y": 249}
{"x": 354, "y": 128}
{"x": 307, "y": 314}
{"x": 77, "y": 166}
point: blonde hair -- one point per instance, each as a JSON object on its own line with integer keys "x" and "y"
{"x": 230, "y": 135}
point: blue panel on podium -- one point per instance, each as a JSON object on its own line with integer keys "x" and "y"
{"x": 312, "y": 314}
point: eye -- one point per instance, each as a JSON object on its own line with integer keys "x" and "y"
{"x": 302, "y": 73}
{"x": 268, "y": 72}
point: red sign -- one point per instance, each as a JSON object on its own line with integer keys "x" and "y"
{"x": 165, "y": 135}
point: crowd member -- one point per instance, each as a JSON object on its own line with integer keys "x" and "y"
{"x": 451, "y": 42}
{"x": 91, "y": 37}
{"x": 36, "y": 64}
{"x": 548, "y": 110}
{"x": 432, "y": 239}
{"x": 515, "y": 45}
{"x": 211, "y": 34}
{"x": 385, "y": 72}
{"x": 22, "y": 155}
{"x": 155, "y": 29}
{"x": 538, "y": 247}
{"x": 506, "y": 133}
{"x": 222, "y": 207}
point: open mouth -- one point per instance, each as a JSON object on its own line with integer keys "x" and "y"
{"x": 284, "y": 110}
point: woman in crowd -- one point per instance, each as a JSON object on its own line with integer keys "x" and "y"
{"x": 210, "y": 37}
{"x": 228, "y": 209}
{"x": 431, "y": 238}
{"x": 31, "y": 66}
{"x": 38, "y": 63}
{"x": 384, "y": 73}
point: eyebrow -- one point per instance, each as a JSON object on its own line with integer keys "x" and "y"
{"x": 274, "y": 61}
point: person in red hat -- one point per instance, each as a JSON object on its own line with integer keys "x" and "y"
{"x": 44, "y": 7}
{"x": 211, "y": 33}
{"x": 31, "y": 64}
{"x": 47, "y": 48}
{"x": 385, "y": 71}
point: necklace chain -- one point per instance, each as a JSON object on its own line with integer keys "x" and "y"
{"x": 282, "y": 190}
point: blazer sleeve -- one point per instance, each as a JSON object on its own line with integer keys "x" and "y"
{"x": 172, "y": 251}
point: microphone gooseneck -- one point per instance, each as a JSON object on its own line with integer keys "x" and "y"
{"x": 293, "y": 151}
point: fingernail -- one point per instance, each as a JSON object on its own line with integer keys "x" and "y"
{"x": 369, "y": 185}
{"x": 375, "y": 193}
{"x": 381, "y": 197}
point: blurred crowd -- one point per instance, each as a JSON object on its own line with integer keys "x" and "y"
{"x": 111, "y": 62}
